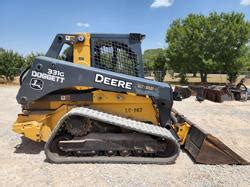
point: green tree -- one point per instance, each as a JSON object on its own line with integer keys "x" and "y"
{"x": 156, "y": 60}
{"x": 246, "y": 60}
{"x": 149, "y": 57}
{"x": 228, "y": 35}
{"x": 29, "y": 59}
{"x": 160, "y": 66}
{"x": 10, "y": 64}
{"x": 186, "y": 41}
{"x": 207, "y": 44}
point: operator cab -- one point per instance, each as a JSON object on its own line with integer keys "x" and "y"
{"x": 119, "y": 53}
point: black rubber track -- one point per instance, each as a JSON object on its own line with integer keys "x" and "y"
{"x": 117, "y": 121}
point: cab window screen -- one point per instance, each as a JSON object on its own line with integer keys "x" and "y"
{"x": 115, "y": 56}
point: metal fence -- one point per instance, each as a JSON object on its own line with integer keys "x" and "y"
{"x": 213, "y": 78}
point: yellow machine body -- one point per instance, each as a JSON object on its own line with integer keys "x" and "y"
{"x": 37, "y": 125}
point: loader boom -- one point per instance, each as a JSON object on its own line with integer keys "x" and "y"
{"x": 52, "y": 74}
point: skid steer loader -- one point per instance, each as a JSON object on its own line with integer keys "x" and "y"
{"x": 94, "y": 105}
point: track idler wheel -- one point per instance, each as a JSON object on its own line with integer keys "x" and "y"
{"x": 138, "y": 152}
{"x": 110, "y": 153}
{"x": 124, "y": 153}
{"x": 55, "y": 144}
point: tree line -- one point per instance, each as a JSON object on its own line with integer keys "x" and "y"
{"x": 216, "y": 43}
{"x": 11, "y": 63}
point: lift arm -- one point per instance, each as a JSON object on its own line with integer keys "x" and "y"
{"x": 47, "y": 75}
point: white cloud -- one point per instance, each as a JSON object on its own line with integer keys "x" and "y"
{"x": 81, "y": 24}
{"x": 245, "y": 2}
{"x": 163, "y": 3}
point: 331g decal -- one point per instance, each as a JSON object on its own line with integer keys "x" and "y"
{"x": 51, "y": 75}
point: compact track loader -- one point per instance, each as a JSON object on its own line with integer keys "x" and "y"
{"x": 94, "y": 105}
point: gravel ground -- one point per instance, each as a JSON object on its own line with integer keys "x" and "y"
{"x": 22, "y": 162}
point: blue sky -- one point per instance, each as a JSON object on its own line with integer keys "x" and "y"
{"x": 30, "y": 25}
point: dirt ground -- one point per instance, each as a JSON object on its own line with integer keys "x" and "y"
{"x": 22, "y": 162}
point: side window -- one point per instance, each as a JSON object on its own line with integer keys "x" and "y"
{"x": 66, "y": 53}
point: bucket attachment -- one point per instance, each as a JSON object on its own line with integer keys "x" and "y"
{"x": 204, "y": 148}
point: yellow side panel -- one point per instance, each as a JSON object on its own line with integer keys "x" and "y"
{"x": 52, "y": 119}
{"x": 45, "y": 133}
{"x": 82, "y": 55}
{"x": 53, "y": 105}
{"x": 82, "y": 51}
{"x": 38, "y": 125}
{"x": 30, "y": 129}
{"x": 126, "y": 105}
